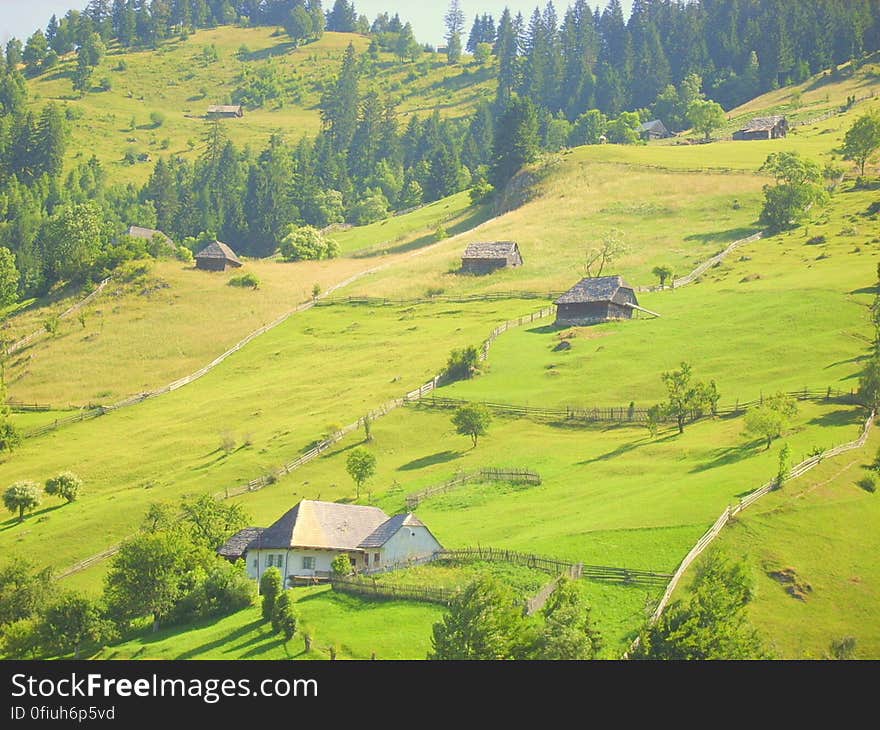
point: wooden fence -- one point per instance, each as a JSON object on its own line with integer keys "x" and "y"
{"x": 730, "y": 512}
{"x": 601, "y": 573}
{"x": 705, "y": 265}
{"x": 539, "y": 600}
{"x": 501, "y": 329}
{"x": 390, "y": 591}
{"x": 24, "y": 341}
{"x": 627, "y": 414}
{"x": 492, "y": 474}
{"x": 459, "y": 299}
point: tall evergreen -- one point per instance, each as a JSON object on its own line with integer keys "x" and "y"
{"x": 339, "y": 105}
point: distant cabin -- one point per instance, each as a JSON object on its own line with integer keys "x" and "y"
{"x": 147, "y": 234}
{"x": 484, "y": 258}
{"x": 225, "y": 110}
{"x": 217, "y": 256}
{"x": 655, "y": 129}
{"x": 775, "y": 127}
{"x": 303, "y": 542}
{"x": 596, "y": 299}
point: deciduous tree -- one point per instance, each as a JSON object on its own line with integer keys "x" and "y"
{"x": 22, "y": 497}
{"x": 472, "y": 420}
{"x": 361, "y": 466}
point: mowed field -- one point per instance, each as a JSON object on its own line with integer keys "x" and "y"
{"x": 180, "y": 80}
{"x": 782, "y": 313}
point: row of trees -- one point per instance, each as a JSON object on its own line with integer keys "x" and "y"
{"x": 26, "y": 496}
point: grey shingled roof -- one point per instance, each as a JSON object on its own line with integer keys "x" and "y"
{"x": 224, "y": 109}
{"x": 236, "y": 545}
{"x": 327, "y": 525}
{"x": 762, "y": 123}
{"x": 217, "y": 250}
{"x": 490, "y": 250}
{"x": 655, "y": 125}
{"x": 388, "y": 529}
{"x": 595, "y": 289}
{"x": 147, "y": 233}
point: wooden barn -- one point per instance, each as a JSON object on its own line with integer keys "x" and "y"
{"x": 221, "y": 111}
{"x": 596, "y": 299}
{"x": 775, "y": 127}
{"x": 655, "y": 129}
{"x": 217, "y": 257}
{"x": 484, "y": 258}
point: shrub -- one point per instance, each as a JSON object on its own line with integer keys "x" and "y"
{"x": 341, "y": 565}
{"x": 462, "y": 364}
{"x": 270, "y": 588}
{"x": 434, "y": 291}
{"x": 816, "y": 240}
{"x": 307, "y": 242}
{"x": 157, "y": 118}
{"x": 868, "y": 483}
{"x": 249, "y": 280}
{"x": 283, "y": 618}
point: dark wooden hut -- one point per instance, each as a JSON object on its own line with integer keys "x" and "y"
{"x": 775, "y": 127}
{"x": 596, "y": 299}
{"x": 484, "y": 258}
{"x": 655, "y": 129}
{"x": 217, "y": 257}
{"x": 225, "y": 110}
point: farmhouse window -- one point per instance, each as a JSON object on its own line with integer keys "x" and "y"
{"x": 375, "y": 558}
{"x": 308, "y": 562}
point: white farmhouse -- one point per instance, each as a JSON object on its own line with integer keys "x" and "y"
{"x": 306, "y": 539}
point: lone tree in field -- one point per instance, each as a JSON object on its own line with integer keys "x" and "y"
{"x": 770, "y": 419}
{"x": 706, "y": 116}
{"x": 22, "y": 497}
{"x": 472, "y": 420}
{"x": 711, "y": 623}
{"x": 606, "y": 253}
{"x": 66, "y": 485}
{"x": 862, "y": 140}
{"x": 361, "y": 466}
{"x": 687, "y": 399}
{"x": 663, "y": 273}
{"x": 798, "y": 187}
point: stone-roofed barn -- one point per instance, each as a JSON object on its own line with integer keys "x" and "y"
{"x": 486, "y": 257}
{"x": 655, "y": 129}
{"x": 217, "y": 256}
{"x": 774, "y": 127}
{"x": 596, "y": 299}
{"x": 304, "y": 541}
{"x": 225, "y": 110}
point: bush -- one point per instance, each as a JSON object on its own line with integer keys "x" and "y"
{"x": 462, "y": 364}
{"x": 341, "y": 565}
{"x": 248, "y": 280}
{"x": 307, "y": 243}
{"x": 283, "y": 618}
{"x": 868, "y": 483}
{"x": 157, "y": 119}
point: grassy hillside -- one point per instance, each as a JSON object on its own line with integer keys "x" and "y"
{"x": 782, "y": 313}
{"x": 182, "y": 78}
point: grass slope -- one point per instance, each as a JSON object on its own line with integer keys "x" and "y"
{"x": 179, "y": 81}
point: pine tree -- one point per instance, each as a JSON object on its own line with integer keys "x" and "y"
{"x": 516, "y": 140}
{"x": 339, "y": 104}
{"x": 454, "y": 20}
{"x": 49, "y": 142}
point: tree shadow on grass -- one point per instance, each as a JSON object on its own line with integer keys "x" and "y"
{"x": 728, "y": 236}
{"x": 626, "y": 448}
{"x": 441, "y": 457}
{"x": 840, "y": 417}
{"x": 264, "y": 53}
{"x": 729, "y": 455}
{"x": 239, "y": 632}
{"x": 29, "y": 517}
{"x": 544, "y": 329}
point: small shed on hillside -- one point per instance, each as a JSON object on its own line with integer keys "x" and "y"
{"x": 217, "y": 256}
{"x": 225, "y": 110}
{"x": 486, "y": 257}
{"x": 655, "y": 129}
{"x": 596, "y": 299}
{"x": 147, "y": 233}
{"x": 775, "y": 127}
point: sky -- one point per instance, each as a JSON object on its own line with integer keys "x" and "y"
{"x": 20, "y": 18}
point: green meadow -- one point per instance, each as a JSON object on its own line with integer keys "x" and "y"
{"x": 782, "y": 313}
